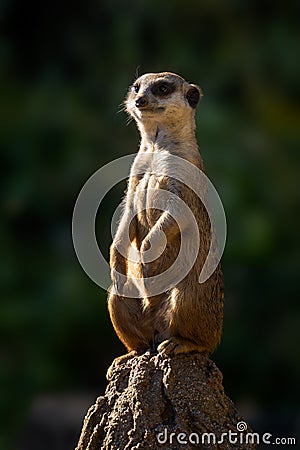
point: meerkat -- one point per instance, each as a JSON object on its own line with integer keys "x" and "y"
{"x": 188, "y": 315}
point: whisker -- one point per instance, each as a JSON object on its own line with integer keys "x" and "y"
{"x": 122, "y": 107}
{"x": 137, "y": 70}
{"x": 129, "y": 120}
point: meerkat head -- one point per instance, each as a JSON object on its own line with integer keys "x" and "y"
{"x": 160, "y": 97}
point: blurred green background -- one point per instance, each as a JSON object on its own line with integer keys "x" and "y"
{"x": 65, "y": 70}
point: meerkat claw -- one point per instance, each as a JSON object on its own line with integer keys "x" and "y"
{"x": 167, "y": 347}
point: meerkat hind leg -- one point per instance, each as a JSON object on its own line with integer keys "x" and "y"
{"x": 131, "y": 327}
{"x": 176, "y": 344}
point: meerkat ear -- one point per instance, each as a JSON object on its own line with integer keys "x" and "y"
{"x": 193, "y": 95}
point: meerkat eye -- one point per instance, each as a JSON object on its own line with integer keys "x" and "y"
{"x": 163, "y": 88}
{"x": 136, "y": 88}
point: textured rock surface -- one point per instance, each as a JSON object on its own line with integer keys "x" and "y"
{"x": 151, "y": 396}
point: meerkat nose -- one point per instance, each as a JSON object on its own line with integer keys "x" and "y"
{"x": 140, "y": 102}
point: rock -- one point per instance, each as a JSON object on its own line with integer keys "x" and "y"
{"x": 156, "y": 402}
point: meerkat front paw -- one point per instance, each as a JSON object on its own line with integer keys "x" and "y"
{"x": 175, "y": 345}
{"x": 153, "y": 246}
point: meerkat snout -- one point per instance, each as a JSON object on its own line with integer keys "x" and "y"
{"x": 141, "y": 102}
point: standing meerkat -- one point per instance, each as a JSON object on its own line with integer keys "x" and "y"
{"x": 186, "y": 315}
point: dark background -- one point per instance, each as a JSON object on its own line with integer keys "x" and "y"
{"x": 65, "y": 70}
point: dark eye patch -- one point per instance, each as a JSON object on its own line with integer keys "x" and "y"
{"x": 136, "y": 88}
{"x": 163, "y": 88}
